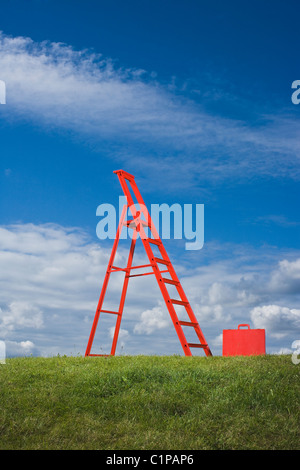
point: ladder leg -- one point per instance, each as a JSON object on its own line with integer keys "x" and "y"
{"x": 105, "y": 283}
{"x": 123, "y": 295}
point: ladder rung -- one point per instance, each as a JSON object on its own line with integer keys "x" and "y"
{"x": 197, "y": 345}
{"x": 133, "y": 221}
{"x": 141, "y": 266}
{"x": 188, "y": 323}
{"x": 162, "y": 261}
{"x": 179, "y": 302}
{"x": 154, "y": 241}
{"x": 109, "y": 311}
{"x": 170, "y": 281}
{"x": 142, "y": 274}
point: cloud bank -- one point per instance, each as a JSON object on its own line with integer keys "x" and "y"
{"x": 51, "y": 277}
{"x": 57, "y": 87}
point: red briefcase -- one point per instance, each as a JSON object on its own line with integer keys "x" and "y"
{"x": 244, "y": 342}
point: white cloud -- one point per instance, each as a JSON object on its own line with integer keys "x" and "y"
{"x": 286, "y": 277}
{"x": 226, "y": 292}
{"x": 20, "y": 315}
{"x": 50, "y": 282}
{"x": 278, "y": 321}
{"x": 123, "y": 334}
{"x": 58, "y": 87}
{"x": 51, "y": 277}
{"x": 241, "y": 288}
{"x": 211, "y": 313}
{"x": 34, "y": 240}
{"x": 152, "y": 320}
{"x": 282, "y": 351}
{"x": 280, "y": 220}
{"x": 23, "y": 348}
{"x": 218, "y": 340}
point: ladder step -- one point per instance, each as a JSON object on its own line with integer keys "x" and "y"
{"x": 154, "y": 241}
{"x": 188, "y": 323}
{"x": 141, "y": 266}
{"x": 143, "y": 274}
{"x": 197, "y": 345}
{"x": 179, "y": 302}
{"x": 170, "y": 281}
{"x": 109, "y": 311}
{"x": 162, "y": 261}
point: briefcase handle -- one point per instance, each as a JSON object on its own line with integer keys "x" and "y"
{"x": 244, "y": 324}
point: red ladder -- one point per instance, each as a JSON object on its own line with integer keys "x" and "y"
{"x": 141, "y": 219}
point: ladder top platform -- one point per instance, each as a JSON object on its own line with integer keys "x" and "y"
{"x": 125, "y": 175}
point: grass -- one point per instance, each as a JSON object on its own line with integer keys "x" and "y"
{"x": 156, "y": 403}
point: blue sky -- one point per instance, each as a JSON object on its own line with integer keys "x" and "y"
{"x": 194, "y": 99}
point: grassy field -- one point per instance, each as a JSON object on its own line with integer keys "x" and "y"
{"x": 156, "y": 403}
